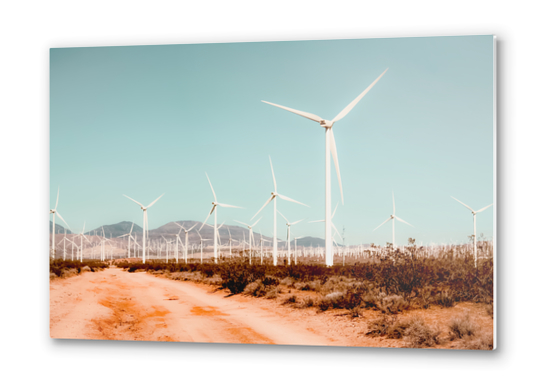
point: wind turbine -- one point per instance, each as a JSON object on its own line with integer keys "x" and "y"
{"x": 82, "y": 235}
{"x": 393, "y": 218}
{"x": 55, "y": 212}
{"x": 330, "y": 147}
{"x": 474, "y": 221}
{"x": 273, "y": 196}
{"x": 201, "y": 240}
{"x": 250, "y": 236}
{"x": 289, "y": 225}
{"x": 215, "y": 204}
{"x": 145, "y": 220}
{"x": 186, "y": 239}
{"x": 129, "y": 238}
{"x": 167, "y": 247}
{"x": 295, "y": 249}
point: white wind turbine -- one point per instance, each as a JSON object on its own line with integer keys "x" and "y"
{"x": 214, "y": 209}
{"x": 186, "y": 239}
{"x": 330, "y": 147}
{"x": 82, "y": 235}
{"x": 201, "y": 245}
{"x": 288, "y": 235}
{"x": 474, "y": 221}
{"x": 250, "y": 236}
{"x": 129, "y": 238}
{"x": 273, "y": 196}
{"x": 393, "y": 218}
{"x": 55, "y": 212}
{"x": 167, "y": 247}
{"x": 145, "y": 220}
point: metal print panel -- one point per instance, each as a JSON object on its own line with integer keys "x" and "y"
{"x": 334, "y": 193}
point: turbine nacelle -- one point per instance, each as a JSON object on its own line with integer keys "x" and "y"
{"x": 326, "y": 123}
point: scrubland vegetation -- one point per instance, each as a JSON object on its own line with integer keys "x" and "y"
{"x": 392, "y": 285}
{"x": 67, "y": 268}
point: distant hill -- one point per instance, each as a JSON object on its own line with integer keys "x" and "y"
{"x": 58, "y": 228}
{"x": 309, "y": 241}
{"x": 115, "y": 230}
{"x": 169, "y": 230}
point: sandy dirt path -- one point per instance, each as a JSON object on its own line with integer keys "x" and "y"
{"x": 117, "y": 305}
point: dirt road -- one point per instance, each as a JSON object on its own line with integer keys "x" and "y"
{"x": 117, "y": 305}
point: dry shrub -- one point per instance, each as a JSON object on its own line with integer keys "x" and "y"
{"x": 461, "y": 327}
{"x": 68, "y": 272}
{"x": 307, "y": 302}
{"x": 380, "y": 326}
{"x": 288, "y": 281}
{"x": 392, "y": 304}
{"x": 52, "y": 276}
{"x": 256, "y": 288}
{"x": 215, "y": 280}
{"x": 420, "y": 335}
{"x": 331, "y": 300}
{"x": 414, "y": 330}
{"x": 483, "y": 341}
{"x": 272, "y": 293}
{"x": 292, "y": 299}
{"x": 356, "y": 312}
{"x": 86, "y": 268}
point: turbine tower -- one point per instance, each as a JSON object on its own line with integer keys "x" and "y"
{"x": 214, "y": 209}
{"x": 55, "y": 212}
{"x": 393, "y": 218}
{"x": 288, "y": 224}
{"x": 250, "y": 236}
{"x": 273, "y": 195}
{"x": 145, "y": 220}
{"x": 330, "y": 147}
{"x": 474, "y": 221}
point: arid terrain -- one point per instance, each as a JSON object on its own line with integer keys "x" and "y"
{"x": 114, "y": 304}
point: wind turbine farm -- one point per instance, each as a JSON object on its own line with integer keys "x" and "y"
{"x": 399, "y": 134}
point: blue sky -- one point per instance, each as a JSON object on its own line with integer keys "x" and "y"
{"x": 147, "y": 120}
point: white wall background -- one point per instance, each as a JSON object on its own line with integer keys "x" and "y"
{"x": 29, "y": 28}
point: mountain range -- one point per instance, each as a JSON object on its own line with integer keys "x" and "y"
{"x": 171, "y": 229}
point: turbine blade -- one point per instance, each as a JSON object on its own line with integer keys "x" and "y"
{"x": 151, "y": 204}
{"x": 292, "y": 200}
{"x": 267, "y": 202}
{"x": 212, "y": 189}
{"x": 402, "y": 221}
{"x": 349, "y": 107}
{"x": 253, "y": 225}
{"x": 191, "y": 228}
{"x": 141, "y": 205}
{"x": 273, "y": 173}
{"x": 132, "y": 227}
{"x": 228, "y": 206}
{"x": 388, "y": 219}
{"x": 472, "y": 210}
{"x": 207, "y": 218}
{"x": 483, "y": 209}
{"x": 310, "y": 116}
{"x": 57, "y": 196}
{"x": 284, "y": 217}
{"x": 61, "y": 218}
{"x": 240, "y": 222}
{"x": 317, "y": 221}
{"x": 298, "y": 221}
{"x": 336, "y": 161}
{"x": 335, "y": 210}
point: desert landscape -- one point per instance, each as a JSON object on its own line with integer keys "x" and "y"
{"x": 406, "y": 301}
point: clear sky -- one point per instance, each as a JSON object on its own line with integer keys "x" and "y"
{"x": 147, "y": 120}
